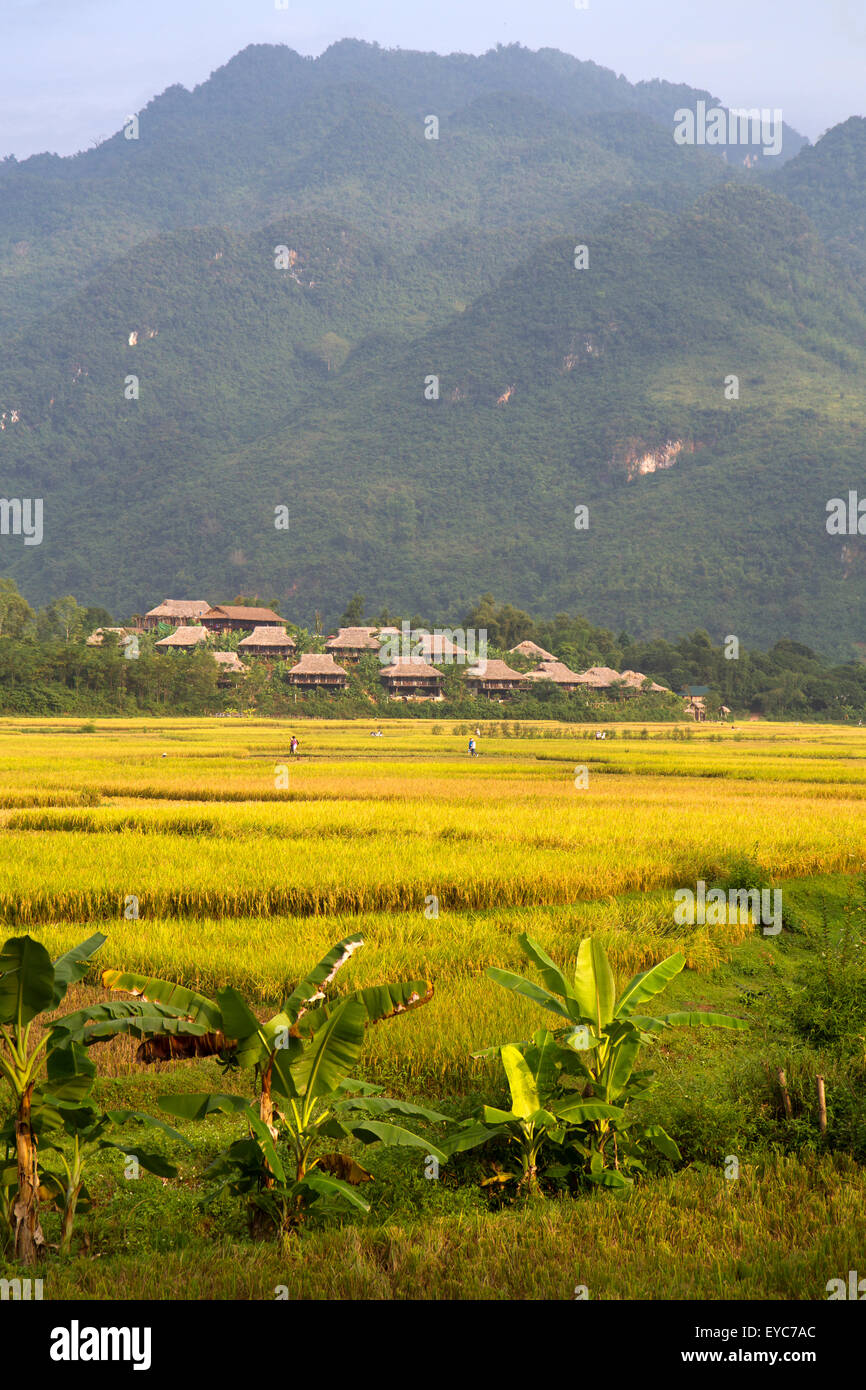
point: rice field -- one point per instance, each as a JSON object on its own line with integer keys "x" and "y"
{"x": 207, "y": 855}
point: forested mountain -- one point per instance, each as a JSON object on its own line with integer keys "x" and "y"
{"x": 282, "y": 262}
{"x": 828, "y": 180}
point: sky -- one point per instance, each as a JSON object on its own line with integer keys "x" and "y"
{"x": 72, "y": 70}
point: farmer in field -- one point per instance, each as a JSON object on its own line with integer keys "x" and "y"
{"x": 293, "y": 746}
{"x": 472, "y": 750}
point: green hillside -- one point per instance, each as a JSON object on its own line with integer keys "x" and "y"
{"x": 524, "y": 137}
{"x": 828, "y": 180}
{"x": 283, "y": 261}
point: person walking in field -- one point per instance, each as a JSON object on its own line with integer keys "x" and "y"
{"x": 472, "y": 750}
{"x": 293, "y": 746}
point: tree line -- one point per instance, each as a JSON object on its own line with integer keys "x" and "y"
{"x": 47, "y": 668}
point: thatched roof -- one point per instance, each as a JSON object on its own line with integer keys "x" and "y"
{"x": 555, "y": 671}
{"x": 184, "y": 637}
{"x": 494, "y": 671}
{"x": 411, "y": 669}
{"x": 532, "y": 650}
{"x": 96, "y": 638}
{"x": 599, "y": 677}
{"x": 244, "y": 615}
{"x": 229, "y": 661}
{"x": 435, "y": 646}
{"x": 636, "y": 678}
{"x": 353, "y": 638}
{"x": 172, "y": 610}
{"x": 313, "y": 664}
{"x": 268, "y": 637}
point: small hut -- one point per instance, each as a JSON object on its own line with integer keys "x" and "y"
{"x": 183, "y": 639}
{"x": 695, "y": 702}
{"x": 314, "y": 672}
{"x": 229, "y": 665}
{"x": 229, "y": 617}
{"x": 175, "y": 610}
{"x": 532, "y": 651}
{"x": 412, "y": 680}
{"x": 268, "y": 642}
{"x": 494, "y": 679}
{"x": 351, "y": 643}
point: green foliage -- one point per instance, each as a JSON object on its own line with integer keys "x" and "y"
{"x": 31, "y": 984}
{"x": 68, "y": 1123}
{"x": 406, "y": 257}
{"x": 303, "y": 1058}
{"x": 827, "y": 1003}
{"x": 596, "y": 1046}
{"x": 48, "y": 674}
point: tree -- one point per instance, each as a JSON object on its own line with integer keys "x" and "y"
{"x": 354, "y": 613}
{"x": 16, "y": 615}
{"x": 62, "y": 618}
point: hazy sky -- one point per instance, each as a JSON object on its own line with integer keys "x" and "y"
{"x": 73, "y": 69}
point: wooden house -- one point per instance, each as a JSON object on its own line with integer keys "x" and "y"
{"x": 494, "y": 679}
{"x": 695, "y": 702}
{"x": 412, "y": 680}
{"x": 229, "y": 617}
{"x": 175, "y": 611}
{"x": 351, "y": 643}
{"x": 314, "y": 672}
{"x": 183, "y": 639}
{"x": 268, "y": 642}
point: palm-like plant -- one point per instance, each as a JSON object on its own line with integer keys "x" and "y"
{"x": 67, "y": 1122}
{"x": 541, "y": 1114}
{"x": 302, "y": 1058}
{"x": 603, "y": 1033}
{"x": 31, "y": 984}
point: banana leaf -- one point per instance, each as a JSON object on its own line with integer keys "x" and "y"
{"x": 26, "y": 981}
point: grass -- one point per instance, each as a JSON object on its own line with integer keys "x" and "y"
{"x": 239, "y": 882}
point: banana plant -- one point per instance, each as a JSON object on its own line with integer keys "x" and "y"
{"x": 604, "y": 1032}
{"x": 541, "y": 1114}
{"x": 177, "y": 1023}
{"x": 282, "y": 1167}
{"x": 301, "y": 1058}
{"x": 67, "y": 1122}
{"x": 31, "y": 984}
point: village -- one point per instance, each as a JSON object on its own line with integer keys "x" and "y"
{"x": 410, "y": 658}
